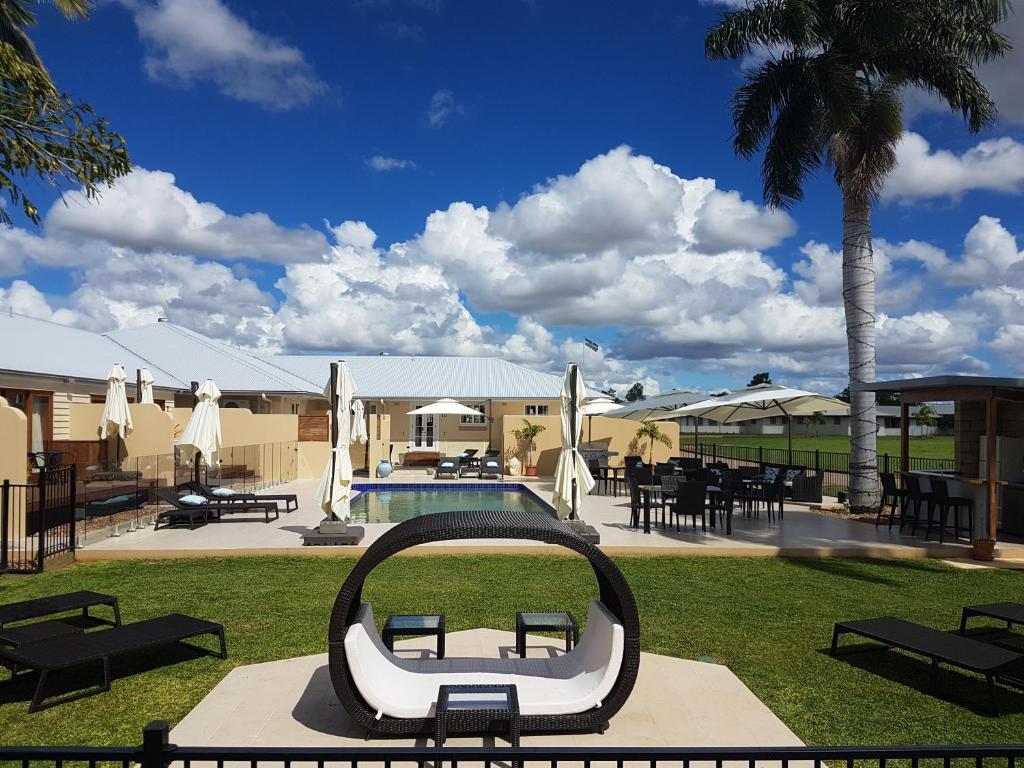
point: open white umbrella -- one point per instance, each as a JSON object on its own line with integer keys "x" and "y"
{"x": 335, "y": 490}
{"x": 596, "y": 406}
{"x": 201, "y": 437}
{"x": 146, "y": 379}
{"x": 444, "y": 407}
{"x": 359, "y": 422}
{"x": 116, "y": 418}
{"x": 573, "y": 480}
{"x": 760, "y": 402}
{"x": 654, "y": 407}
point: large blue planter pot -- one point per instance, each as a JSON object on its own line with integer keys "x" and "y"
{"x": 384, "y": 468}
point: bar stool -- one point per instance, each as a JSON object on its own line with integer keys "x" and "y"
{"x": 945, "y": 503}
{"x": 894, "y": 496}
{"x": 912, "y": 486}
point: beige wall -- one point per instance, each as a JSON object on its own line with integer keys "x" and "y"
{"x": 617, "y": 434}
{"x": 14, "y": 428}
{"x": 153, "y": 432}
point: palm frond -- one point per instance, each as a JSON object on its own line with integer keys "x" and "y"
{"x": 74, "y": 9}
{"x": 795, "y": 148}
{"x": 766, "y": 24}
{"x": 864, "y": 154}
{"x": 763, "y": 94}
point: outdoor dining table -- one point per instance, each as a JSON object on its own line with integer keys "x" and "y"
{"x": 646, "y": 491}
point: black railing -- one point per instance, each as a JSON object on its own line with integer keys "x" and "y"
{"x": 37, "y": 519}
{"x": 834, "y": 466}
{"x": 157, "y": 752}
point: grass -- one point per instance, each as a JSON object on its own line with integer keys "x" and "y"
{"x": 768, "y": 619}
{"x": 937, "y": 447}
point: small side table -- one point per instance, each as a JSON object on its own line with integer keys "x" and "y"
{"x": 555, "y": 621}
{"x": 414, "y": 626}
{"x": 473, "y": 708}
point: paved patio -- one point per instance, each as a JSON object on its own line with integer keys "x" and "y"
{"x": 675, "y": 701}
{"x": 801, "y": 533}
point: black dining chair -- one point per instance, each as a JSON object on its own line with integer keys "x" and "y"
{"x": 639, "y": 475}
{"x": 599, "y": 475}
{"x": 944, "y": 503}
{"x": 690, "y": 501}
{"x": 669, "y": 484}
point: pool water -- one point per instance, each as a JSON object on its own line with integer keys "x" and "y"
{"x": 387, "y": 505}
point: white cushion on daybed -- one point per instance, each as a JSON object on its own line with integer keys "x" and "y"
{"x": 407, "y": 688}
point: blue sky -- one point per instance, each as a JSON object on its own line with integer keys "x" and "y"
{"x": 274, "y": 118}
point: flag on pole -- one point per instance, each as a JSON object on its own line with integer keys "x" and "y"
{"x": 591, "y": 345}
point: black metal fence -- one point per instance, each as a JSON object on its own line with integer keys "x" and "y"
{"x": 156, "y": 752}
{"x": 37, "y": 519}
{"x": 834, "y": 466}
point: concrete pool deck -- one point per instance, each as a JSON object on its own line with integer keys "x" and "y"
{"x": 801, "y": 534}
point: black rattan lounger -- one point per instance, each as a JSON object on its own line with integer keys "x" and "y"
{"x": 291, "y": 501}
{"x": 48, "y": 606}
{"x": 940, "y": 648}
{"x": 77, "y": 650}
{"x": 447, "y": 465}
{"x": 1011, "y": 613}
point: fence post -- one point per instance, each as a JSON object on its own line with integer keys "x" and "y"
{"x": 885, "y": 462}
{"x": 155, "y": 746}
{"x": 71, "y": 502}
{"x": 817, "y": 461}
{"x": 41, "y": 549}
{"x": 760, "y": 455}
{"x": 5, "y": 510}
{"x": 714, "y": 452}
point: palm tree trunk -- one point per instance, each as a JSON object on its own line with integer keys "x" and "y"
{"x": 859, "y": 303}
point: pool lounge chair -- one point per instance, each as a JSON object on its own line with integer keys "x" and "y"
{"x": 208, "y": 511}
{"x": 939, "y": 647}
{"x": 291, "y": 501}
{"x": 447, "y": 465}
{"x": 85, "y": 648}
{"x": 490, "y": 466}
{"x": 1010, "y": 613}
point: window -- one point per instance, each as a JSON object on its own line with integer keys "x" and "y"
{"x": 295, "y": 408}
{"x": 773, "y": 420}
{"x": 837, "y": 420}
{"x": 537, "y": 410}
{"x": 481, "y": 419}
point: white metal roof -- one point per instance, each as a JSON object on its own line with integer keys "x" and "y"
{"x": 190, "y": 356}
{"x": 43, "y": 348}
{"x": 394, "y": 377}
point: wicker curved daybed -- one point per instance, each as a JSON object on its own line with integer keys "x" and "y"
{"x": 612, "y": 624}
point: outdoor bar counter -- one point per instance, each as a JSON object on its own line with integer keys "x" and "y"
{"x": 1009, "y": 495}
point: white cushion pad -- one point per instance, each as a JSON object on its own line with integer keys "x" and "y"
{"x": 407, "y": 688}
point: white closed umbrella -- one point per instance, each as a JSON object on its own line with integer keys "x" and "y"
{"x": 146, "y": 379}
{"x": 201, "y": 438}
{"x": 335, "y": 490}
{"x": 116, "y": 418}
{"x": 359, "y": 422}
{"x": 573, "y": 480}
{"x": 760, "y": 402}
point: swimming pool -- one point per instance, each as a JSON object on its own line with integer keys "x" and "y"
{"x": 395, "y": 502}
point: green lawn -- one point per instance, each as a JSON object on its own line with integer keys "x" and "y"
{"x": 768, "y": 619}
{"x": 939, "y": 447}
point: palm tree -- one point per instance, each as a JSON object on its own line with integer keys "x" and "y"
{"x": 15, "y": 15}
{"x": 924, "y": 418}
{"x": 649, "y": 430}
{"x": 832, "y": 98}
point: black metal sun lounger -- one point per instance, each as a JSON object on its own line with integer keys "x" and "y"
{"x": 82, "y": 600}
{"x": 80, "y": 649}
{"x": 940, "y": 648}
{"x": 208, "y": 511}
{"x": 1011, "y": 613}
{"x": 290, "y": 500}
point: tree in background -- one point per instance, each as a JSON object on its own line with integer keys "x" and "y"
{"x": 844, "y": 395}
{"x": 636, "y": 393}
{"x": 44, "y": 134}
{"x": 924, "y": 417}
{"x": 829, "y": 95}
{"x": 719, "y": 394}
{"x": 760, "y": 378}
{"x": 816, "y": 419}
{"x": 612, "y": 394}
{"x": 649, "y": 430}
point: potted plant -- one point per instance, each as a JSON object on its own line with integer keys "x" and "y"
{"x": 650, "y": 430}
{"x": 984, "y": 549}
{"x": 526, "y": 434}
